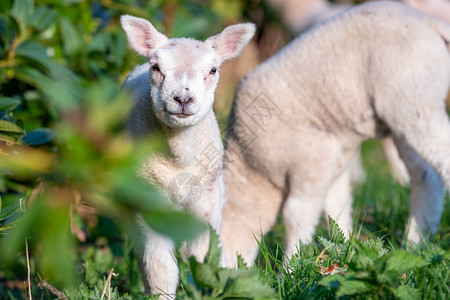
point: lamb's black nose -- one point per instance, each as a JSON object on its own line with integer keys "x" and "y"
{"x": 183, "y": 101}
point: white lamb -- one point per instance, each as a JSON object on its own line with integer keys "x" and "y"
{"x": 174, "y": 93}
{"x": 299, "y": 15}
{"x": 378, "y": 69}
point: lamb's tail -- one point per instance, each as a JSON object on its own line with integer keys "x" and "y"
{"x": 442, "y": 28}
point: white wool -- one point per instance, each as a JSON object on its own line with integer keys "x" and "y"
{"x": 378, "y": 69}
{"x": 174, "y": 93}
{"x": 299, "y": 15}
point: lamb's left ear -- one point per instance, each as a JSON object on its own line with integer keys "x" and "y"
{"x": 142, "y": 36}
{"x": 232, "y": 40}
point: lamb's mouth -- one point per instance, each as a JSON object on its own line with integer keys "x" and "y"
{"x": 181, "y": 115}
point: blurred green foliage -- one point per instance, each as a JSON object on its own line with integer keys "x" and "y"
{"x": 62, "y": 148}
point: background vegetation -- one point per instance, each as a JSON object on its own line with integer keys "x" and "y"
{"x": 68, "y": 190}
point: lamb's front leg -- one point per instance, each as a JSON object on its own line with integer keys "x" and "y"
{"x": 159, "y": 171}
{"x": 209, "y": 208}
{"x": 183, "y": 185}
{"x": 159, "y": 268}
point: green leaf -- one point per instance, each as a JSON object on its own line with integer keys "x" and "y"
{"x": 33, "y": 54}
{"x": 98, "y": 43}
{"x": 70, "y": 2}
{"x": 376, "y": 244}
{"x": 70, "y": 36}
{"x": 366, "y": 257}
{"x": 332, "y": 281}
{"x": 0, "y": 204}
{"x": 8, "y": 226}
{"x": 22, "y": 10}
{"x": 351, "y": 287}
{"x": 32, "y": 49}
{"x": 405, "y": 292}
{"x": 118, "y": 48}
{"x": 9, "y": 29}
{"x": 39, "y": 136}
{"x": 244, "y": 284}
{"x": 215, "y": 252}
{"x": 5, "y": 6}
{"x": 131, "y": 193}
{"x": 43, "y": 17}
{"x": 62, "y": 95}
{"x": 400, "y": 262}
{"x": 10, "y": 137}
{"x": 336, "y": 234}
{"x": 7, "y": 126}
{"x": 62, "y": 74}
{"x": 203, "y": 274}
{"x": 8, "y": 211}
{"x": 177, "y": 225}
{"x": 333, "y": 249}
{"x": 8, "y": 104}
{"x": 3, "y": 187}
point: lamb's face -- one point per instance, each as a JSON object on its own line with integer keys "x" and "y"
{"x": 183, "y": 75}
{"x": 184, "y": 72}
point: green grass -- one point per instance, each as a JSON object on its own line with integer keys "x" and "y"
{"x": 373, "y": 264}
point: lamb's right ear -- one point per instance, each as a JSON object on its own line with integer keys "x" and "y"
{"x": 232, "y": 40}
{"x": 142, "y": 36}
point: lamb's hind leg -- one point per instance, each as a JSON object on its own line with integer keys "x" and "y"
{"x": 425, "y": 128}
{"x": 427, "y": 194}
{"x": 309, "y": 181}
{"x": 251, "y": 210}
{"x": 396, "y": 165}
{"x": 338, "y": 204}
{"x": 413, "y": 107}
{"x": 431, "y": 138}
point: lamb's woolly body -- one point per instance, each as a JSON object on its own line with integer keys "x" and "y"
{"x": 379, "y": 69}
{"x": 186, "y": 146}
{"x": 438, "y": 8}
{"x": 300, "y": 15}
{"x": 174, "y": 93}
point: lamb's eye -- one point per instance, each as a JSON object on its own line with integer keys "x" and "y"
{"x": 155, "y": 68}
{"x": 213, "y": 71}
